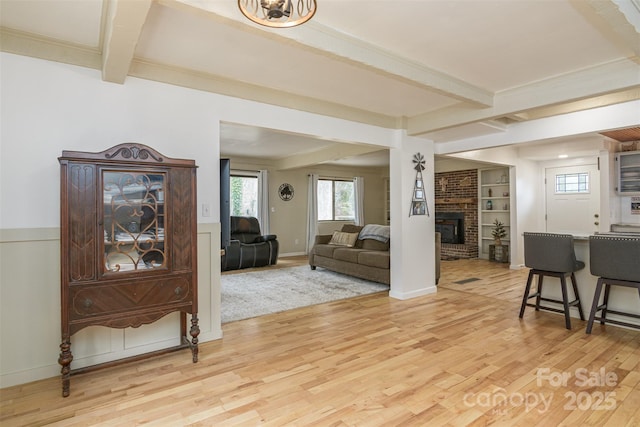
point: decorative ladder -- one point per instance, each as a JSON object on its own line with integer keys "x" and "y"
{"x": 419, "y": 201}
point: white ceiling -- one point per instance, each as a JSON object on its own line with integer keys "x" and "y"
{"x": 442, "y": 69}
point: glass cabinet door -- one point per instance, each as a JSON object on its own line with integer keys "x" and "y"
{"x": 134, "y": 220}
{"x": 629, "y": 173}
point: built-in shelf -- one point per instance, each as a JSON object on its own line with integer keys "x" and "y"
{"x": 495, "y": 188}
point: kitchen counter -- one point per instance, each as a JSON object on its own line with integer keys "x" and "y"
{"x": 625, "y": 228}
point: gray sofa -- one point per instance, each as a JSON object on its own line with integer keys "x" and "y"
{"x": 368, "y": 259}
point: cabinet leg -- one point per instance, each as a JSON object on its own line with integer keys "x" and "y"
{"x": 194, "y": 332}
{"x": 65, "y": 360}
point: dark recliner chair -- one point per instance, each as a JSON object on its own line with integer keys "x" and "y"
{"x": 248, "y": 247}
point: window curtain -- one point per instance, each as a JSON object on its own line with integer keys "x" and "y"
{"x": 263, "y": 201}
{"x": 358, "y": 185}
{"x": 312, "y": 211}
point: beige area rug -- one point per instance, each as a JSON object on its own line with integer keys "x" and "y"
{"x": 257, "y": 293}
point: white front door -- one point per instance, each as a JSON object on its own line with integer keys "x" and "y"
{"x": 573, "y": 199}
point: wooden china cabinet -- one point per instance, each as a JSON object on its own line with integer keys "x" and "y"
{"x": 128, "y": 243}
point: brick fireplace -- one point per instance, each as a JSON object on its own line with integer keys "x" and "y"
{"x": 456, "y": 212}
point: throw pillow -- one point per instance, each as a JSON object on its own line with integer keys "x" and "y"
{"x": 340, "y": 238}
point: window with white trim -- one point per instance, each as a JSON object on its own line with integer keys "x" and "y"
{"x": 336, "y": 200}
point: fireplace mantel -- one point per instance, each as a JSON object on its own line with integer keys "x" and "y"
{"x": 456, "y": 201}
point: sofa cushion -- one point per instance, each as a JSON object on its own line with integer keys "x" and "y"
{"x": 377, "y": 259}
{"x": 346, "y": 254}
{"x": 351, "y": 228}
{"x": 325, "y": 250}
{"x": 373, "y": 245}
{"x": 341, "y": 238}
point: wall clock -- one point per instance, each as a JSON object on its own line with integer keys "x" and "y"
{"x": 286, "y": 192}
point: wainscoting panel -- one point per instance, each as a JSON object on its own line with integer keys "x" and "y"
{"x": 30, "y": 309}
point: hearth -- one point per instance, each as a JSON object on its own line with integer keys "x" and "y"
{"x": 451, "y": 226}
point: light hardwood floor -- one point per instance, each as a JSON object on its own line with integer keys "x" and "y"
{"x": 459, "y": 357}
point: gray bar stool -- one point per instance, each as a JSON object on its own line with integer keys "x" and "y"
{"x": 616, "y": 262}
{"x": 550, "y": 254}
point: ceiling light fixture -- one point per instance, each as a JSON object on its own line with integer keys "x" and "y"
{"x": 278, "y": 13}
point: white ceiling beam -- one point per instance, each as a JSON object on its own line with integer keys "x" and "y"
{"x": 224, "y": 86}
{"x": 27, "y": 44}
{"x": 124, "y": 22}
{"x": 331, "y": 153}
{"x": 618, "y": 20}
{"x": 581, "y": 122}
{"x": 353, "y": 51}
{"x": 617, "y": 76}
{"x": 598, "y": 101}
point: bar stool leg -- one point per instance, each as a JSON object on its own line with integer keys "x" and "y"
{"x": 565, "y": 301}
{"x": 540, "y": 279}
{"x": 527, "y": 289}
{"x": 607, "y": 288}
{"x": 575, "y": 291}
{"x": 594, "y": 305}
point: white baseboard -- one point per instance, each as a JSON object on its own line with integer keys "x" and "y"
{"x": 53, "y": 369}
{"x": 412, "y": 294}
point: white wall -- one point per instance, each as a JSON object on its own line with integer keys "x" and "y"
{"x": 626, "y": 217}
{"x": 529, "y": 206}
{"x": 412, "y": 237}
{"x": 49, "y": 107}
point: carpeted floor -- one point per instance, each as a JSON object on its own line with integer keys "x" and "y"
{"x": 257, "y": 293}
